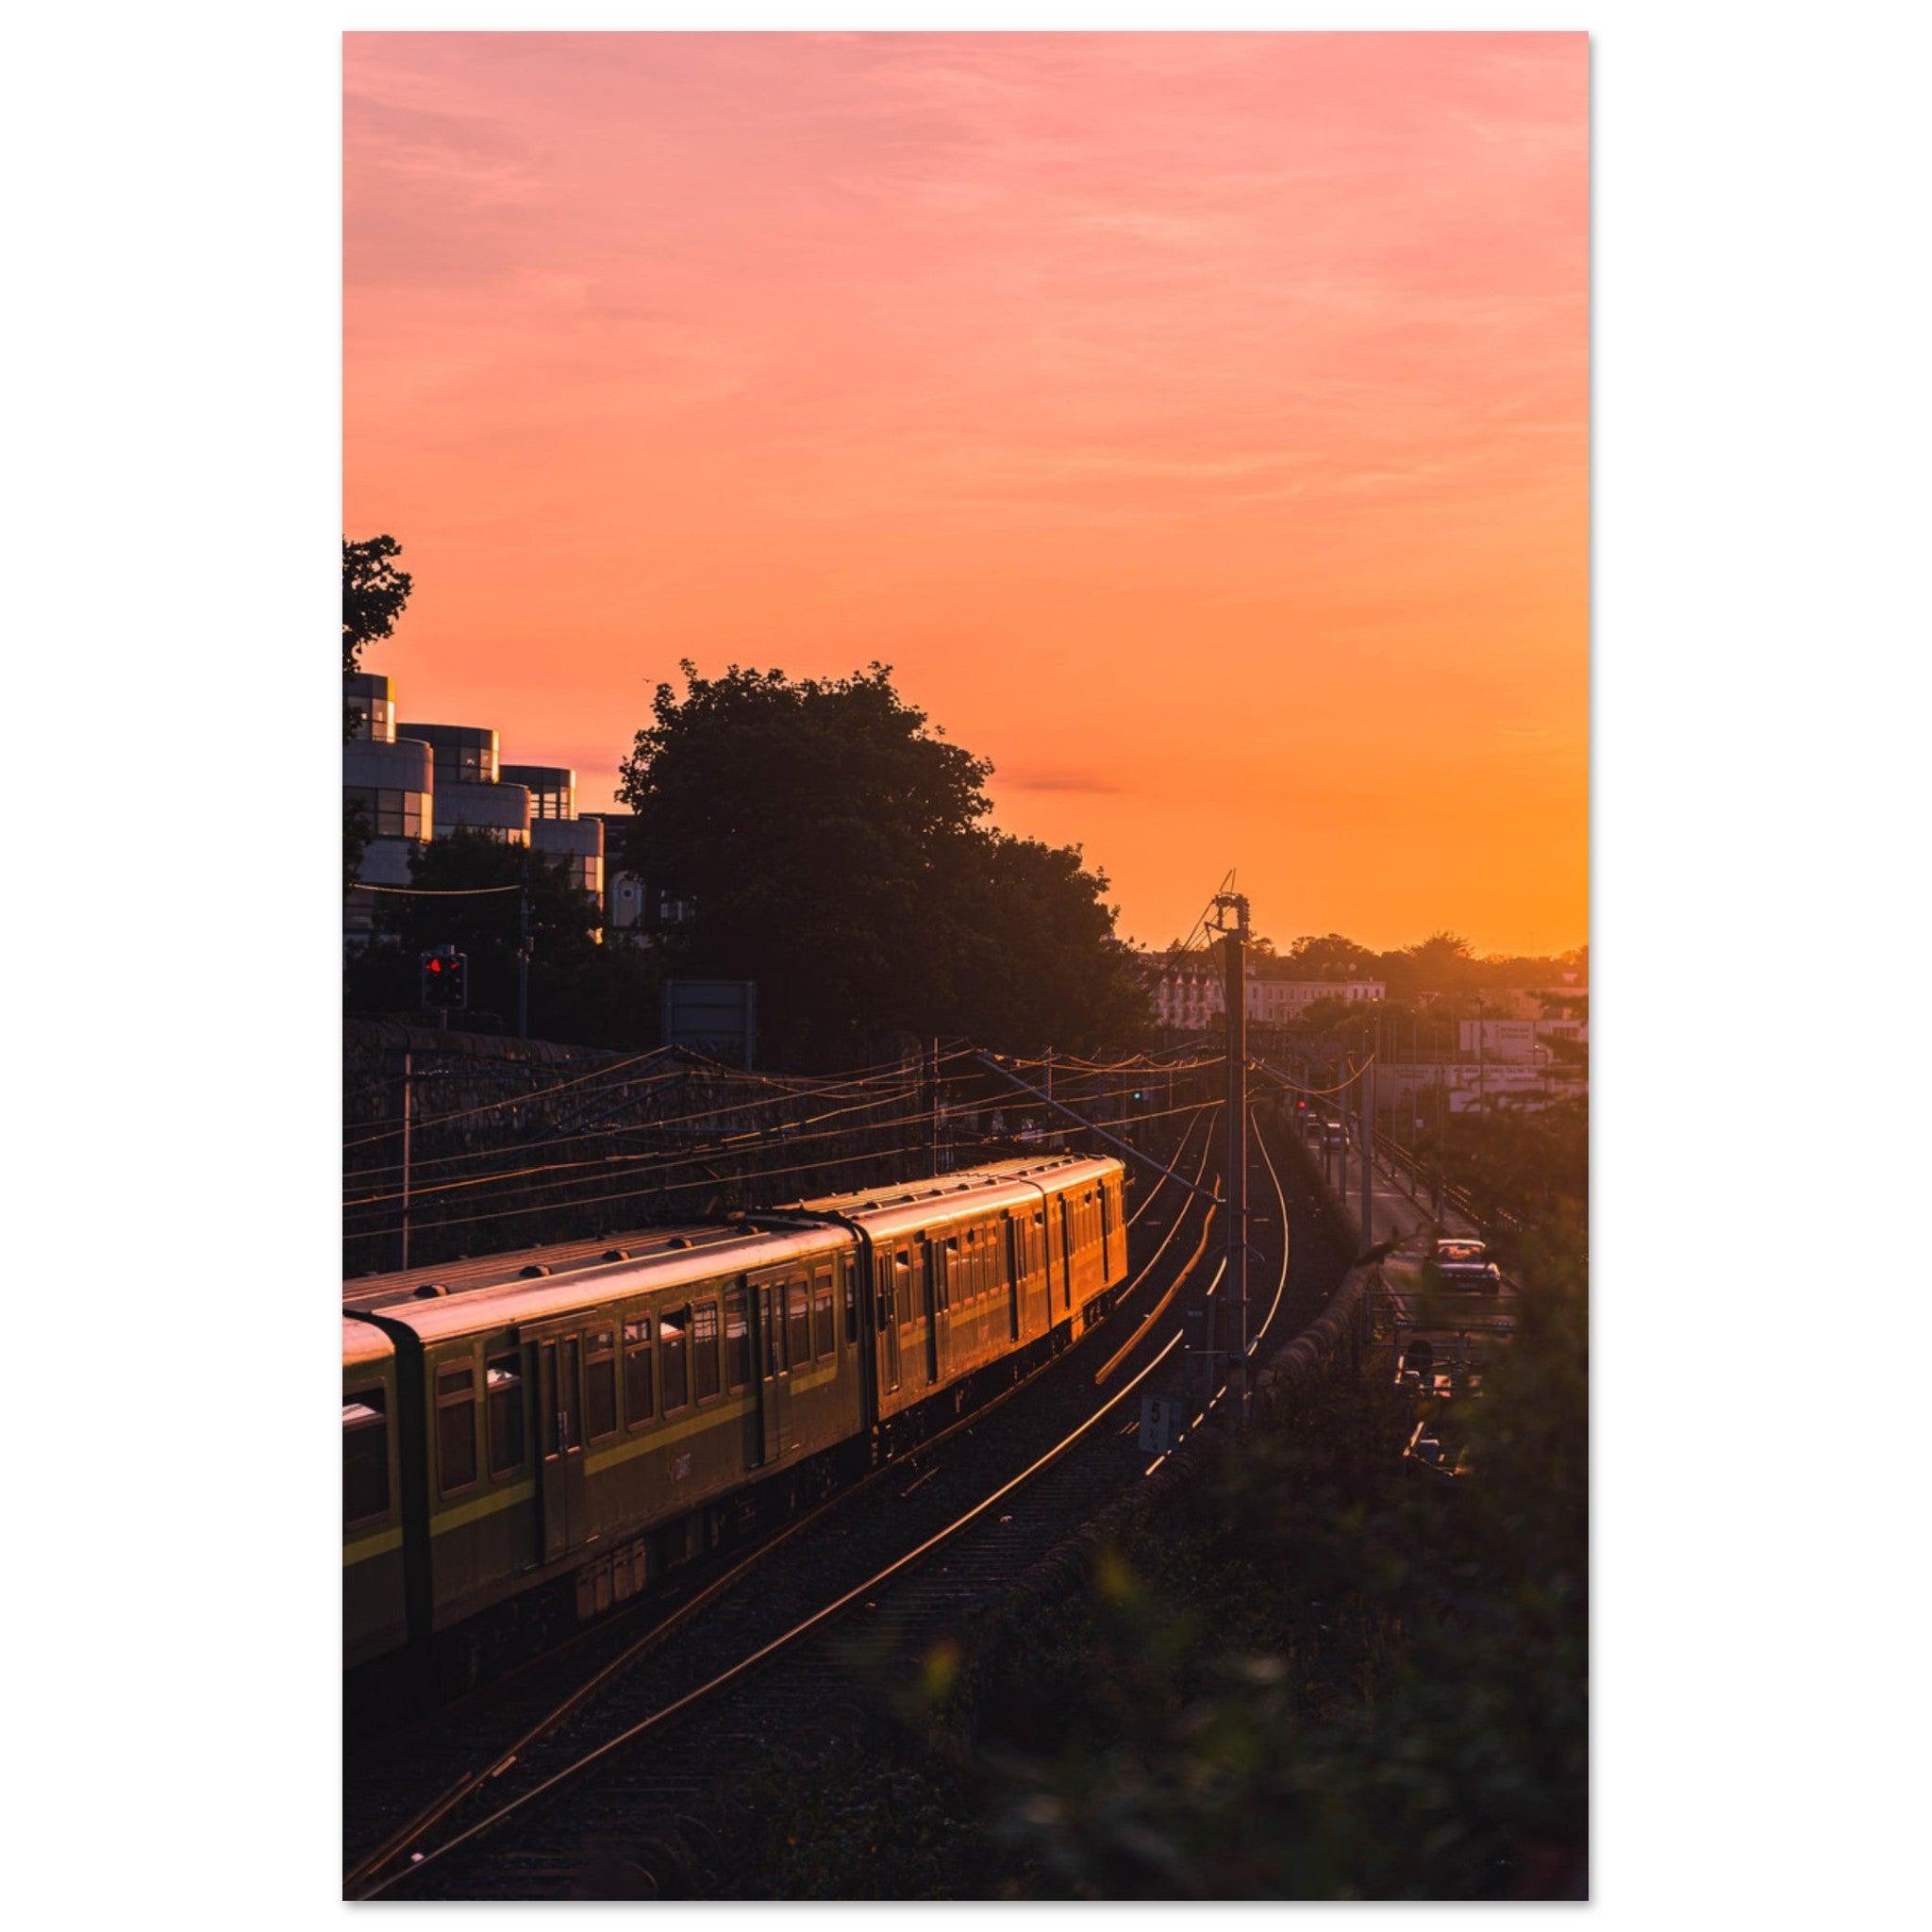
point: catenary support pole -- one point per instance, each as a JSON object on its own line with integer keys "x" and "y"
{"x": 524, "y": 956}
{"x": 1236, "y": 944}
{"x": 932, "y": 1102}
{"x": 1368, "y": 1118}
{"x": 403, "y": 1225}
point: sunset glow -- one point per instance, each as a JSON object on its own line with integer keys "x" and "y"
{"x": 1198, "y": 423}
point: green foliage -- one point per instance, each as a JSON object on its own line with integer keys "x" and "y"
{"x": 1532, "y": 1167}
{"x": 579, "y": 992}
{"x": 835, "y": 851}
{"x": 374, "y": 593}
{"x": 1304, "y": 1676}
{"x": 1305, "y": 1670}
{"x": 1443, "y": 966}
{"x": 355, "y": 835}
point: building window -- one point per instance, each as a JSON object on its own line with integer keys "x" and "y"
{"x": 390, "y": 813}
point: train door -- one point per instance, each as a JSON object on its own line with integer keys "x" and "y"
{"x": 889, "y": 1287}
{"x": 1067, "y": 1253}
{"x": 774, "y": 1376}
{"x": 1107, "y": 1233}
{"x": 940, "y": 1256}
{"x": 561, "y": 1431}
{"x": 1016, "y": 1271}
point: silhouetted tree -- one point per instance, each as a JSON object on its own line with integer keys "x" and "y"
{"x": 581, "y": 992}
{"x": 833, "y": 851}
{"x": 374, "y": 593}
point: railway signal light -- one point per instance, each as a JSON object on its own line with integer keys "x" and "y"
{"x": 444, "y": 979}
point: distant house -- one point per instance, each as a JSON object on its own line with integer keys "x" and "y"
{"x": 1188, "y": 994}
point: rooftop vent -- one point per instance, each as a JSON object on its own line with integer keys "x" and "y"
{"x": 429, "y": 1290}
{"x": 617, "y": 1254}
{"x": 533, "y": 1270}
{"x": 679, "y": 1240}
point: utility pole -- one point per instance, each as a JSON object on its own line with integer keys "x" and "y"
{"x": 524, "y": 953}
{"x": 1235, "y": 946}
{"x": 1482, "y": 1091}
{"x": 1368, "y": 1112}
{"x": 932, "y": 1103}
{"x": 408, "y": 1067}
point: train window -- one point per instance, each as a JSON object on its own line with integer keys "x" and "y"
{"x": 365, "y": 1455}
{"x": 503, "y": 1386}
{"x": 825, "y": 1330}
{"x": 456, "y": 1427}
{"x": 672, "y": 1325}
{"x": 775, "y": 1330}
{"x": 704, "y": 1350}
{"x": 637, "y": 1373}
{"x": 797, "y": 1323}
{"x": 600, "y": 1383}
{"x": 569, "y": 1354}
{"x": 851, "y": 1309}
{"x": 737, "y": 1340}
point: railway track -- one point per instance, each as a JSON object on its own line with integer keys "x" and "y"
{"x": 466, "y": 1751}
{"x": 928, "y": 1548}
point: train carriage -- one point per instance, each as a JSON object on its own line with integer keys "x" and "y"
{"x": 373, "y": 1612}
{"x": 978, "y": 1269}
{"x": 597, "y": 1425}
{"x": 530, "y": 1438}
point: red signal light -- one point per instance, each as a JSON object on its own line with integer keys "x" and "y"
{"x": 436, "y": 965}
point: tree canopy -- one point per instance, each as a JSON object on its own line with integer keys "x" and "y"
{"x": 835, "y": 850}
{"x": 580, "y": 992}
{"x": 374, "y": 593}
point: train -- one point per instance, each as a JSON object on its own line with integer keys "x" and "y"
{"x": 530, "y": 1438}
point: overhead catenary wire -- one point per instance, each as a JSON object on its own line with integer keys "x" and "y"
{"x": 368, "y": 1174}
{"x": 711, "y": 1179}
{"x": 847, "y": 1082}
{"x": 782, "y": 1136}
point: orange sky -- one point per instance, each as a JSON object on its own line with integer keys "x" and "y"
{"x": 1196, "y": 423}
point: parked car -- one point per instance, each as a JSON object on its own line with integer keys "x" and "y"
{"x": 1465, "y": 1263}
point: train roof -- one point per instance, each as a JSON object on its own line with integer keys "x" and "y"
{"x": 362, "y": 1344}
{"x": 496, "y": 1291}
{"x": 958, "y": 1196}
{"x": 467, "y": 1276}
{"x": 724, "y": 1251}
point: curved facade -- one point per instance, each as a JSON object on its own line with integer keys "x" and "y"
{"x": 395, "y": 780}
{"x": 500, "y": 811}
{"x": 579, "y": 843}
{"x": 465, "y": 754}
{"x": 418, "y": 781}
{"x": 553, "y": 788}
{"x": 373, "y": 701}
